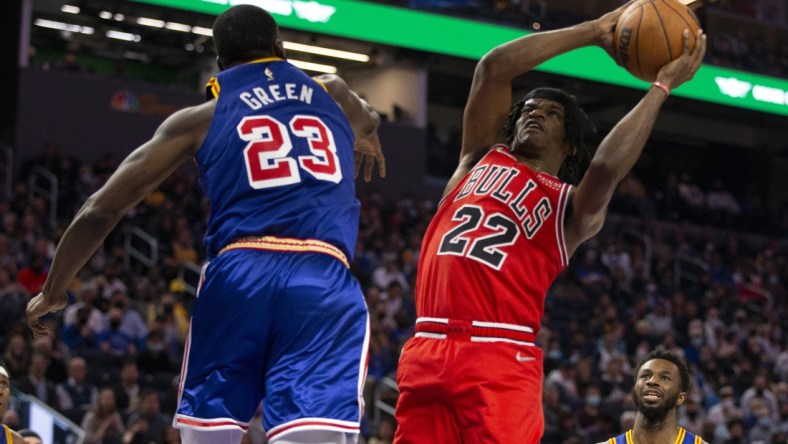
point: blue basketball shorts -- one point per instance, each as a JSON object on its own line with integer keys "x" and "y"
{"x": 289, "y": 329}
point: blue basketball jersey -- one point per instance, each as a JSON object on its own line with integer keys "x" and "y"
{"x": 278, "y": 159}
{"x": 684, "y": 437}
{"x": 5, "y": 435}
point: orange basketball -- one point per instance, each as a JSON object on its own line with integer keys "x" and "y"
{"x": 649, "y": 35}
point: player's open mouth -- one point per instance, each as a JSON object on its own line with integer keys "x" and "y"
{"x": 652, "y": 395}
{"x": 533, "y": 124}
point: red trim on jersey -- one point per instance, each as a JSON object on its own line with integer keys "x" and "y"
{"x": 207, "y": 425}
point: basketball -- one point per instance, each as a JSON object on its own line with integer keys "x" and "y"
{"x": 648, "y": 35}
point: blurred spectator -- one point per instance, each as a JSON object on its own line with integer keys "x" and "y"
{"x": 132, "y": 324}
{"x": 127, "y": 388}
{"x": 16, "y": 356}
{"x": 155, "y": 359}
{"x": 86, "y": 298}
{"x": 79, "y": 336}
{"x": 77, "y": 395}
{"x": 112, "y": 341}
{"x": 13, "y": 301}
{"x": 33, "y": 276}
{"x": 723, "y": 207}
{"x": 36, "y": 383}
{"x": 148, "y": 409}
{"x": 103, "y": 424}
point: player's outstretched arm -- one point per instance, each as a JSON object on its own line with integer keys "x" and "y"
{"x": 365, "y": 122}
{"x": 139, "y": 174}
{"x": 490, "y": 98}
{"x": 619, "y": 151}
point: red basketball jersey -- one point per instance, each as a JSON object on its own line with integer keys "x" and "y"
{"x": 495, "y": 245}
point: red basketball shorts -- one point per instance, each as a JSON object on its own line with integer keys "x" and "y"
{"x": 456, "y": 390}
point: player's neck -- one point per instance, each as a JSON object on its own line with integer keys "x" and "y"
{"x": 536, "y": 164}
{"x": 648, "y": 431}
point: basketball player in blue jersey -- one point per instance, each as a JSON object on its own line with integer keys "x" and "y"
{"x": 7, "y": 436}
{"x": 278, "y": 317}
{"x": 662, "y": 382}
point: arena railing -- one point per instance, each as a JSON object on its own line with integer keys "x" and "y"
{"x": 378, "y": 404}
{"x": 190, "y": 274}
{"x": 689, "y": 269}
{"x": 141, "y": 246}
{"x": 48, "y": 423}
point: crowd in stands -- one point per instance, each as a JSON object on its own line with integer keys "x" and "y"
{"x": 662, "y": 272}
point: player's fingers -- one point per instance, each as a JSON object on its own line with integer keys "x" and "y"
{"x": 37, "y": 329}
{"x": 686, "y": 36}
{"x": 359, "y": 159}
{"x": 368, "y": 168}
{"x": 381, "y": 164}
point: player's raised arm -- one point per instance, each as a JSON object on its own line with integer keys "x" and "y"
{"x": 363, "y": 120}
{"x": 619, "y": 151}
{"x": 490, "y": 98}
{"x": 139, "y": 174}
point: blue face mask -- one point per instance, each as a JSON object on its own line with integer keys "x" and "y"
{"x": 593, "y": 400}
{"x": 555, "y": 355}
{"x": 764, "y": 422}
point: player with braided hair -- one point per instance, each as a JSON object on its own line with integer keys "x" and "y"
{"x": 504, "y": 230}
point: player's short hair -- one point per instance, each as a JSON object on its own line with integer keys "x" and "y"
{"x": 4, "y": 370}
{"x": 243, "y": 33}
{"x": 661, "y": 353}
{"x": 577, "y": 126}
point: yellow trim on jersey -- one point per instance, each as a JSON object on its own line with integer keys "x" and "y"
{"x": 213, "y": 87}
{"x": 629, "y": 437}
{"x": 267, "y": 59}
{"x": 272, "y": 243}
{"x": 680, "y": 437}
{"x": 8, "y": 437}
{"x": 320, "y": 82}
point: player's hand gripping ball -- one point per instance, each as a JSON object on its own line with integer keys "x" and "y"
{"x": 648, "y": 35}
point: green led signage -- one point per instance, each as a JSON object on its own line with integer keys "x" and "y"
{"x": 469, "y": 39}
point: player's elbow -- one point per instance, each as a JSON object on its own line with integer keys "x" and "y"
{"x": 99, "y": 213}
{"x": 492, "y": 66}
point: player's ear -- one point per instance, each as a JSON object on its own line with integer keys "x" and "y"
{"x": 681, "y": 399}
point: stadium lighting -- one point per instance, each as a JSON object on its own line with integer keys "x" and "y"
{"x": 153, "y": 23}
{"x": 70, "y": 9}
{"x": 51, "y": 24}
{"x": 202, "y": 31}
{"x": 174, "y": 26}
{"x": 347, "y": 55}
{"x": 316, "y": 67}
{"x": 126, "y": 36}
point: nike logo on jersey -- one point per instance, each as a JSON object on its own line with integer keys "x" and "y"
{"x": 521, "y": 358}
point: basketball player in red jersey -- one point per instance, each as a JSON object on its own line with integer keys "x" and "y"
{"x": 504, "y": 230}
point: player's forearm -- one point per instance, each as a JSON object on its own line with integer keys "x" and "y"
{"x": 620, "y": 150}
{"x": 82, "y": 238}
{"x": 519, "y": 56}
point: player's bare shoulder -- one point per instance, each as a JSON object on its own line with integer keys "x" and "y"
{"x": 190, "y": 123}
